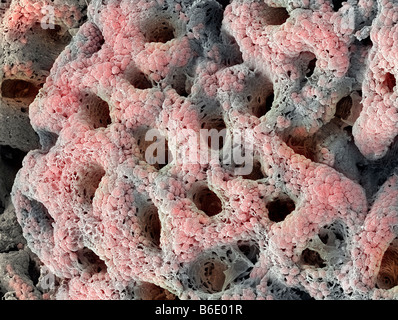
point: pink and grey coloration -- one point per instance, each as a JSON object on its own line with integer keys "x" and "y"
{"x": 307, "y": 222}
{"x": 27, "y": 53}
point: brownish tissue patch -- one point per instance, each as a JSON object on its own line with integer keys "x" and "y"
{"x": 388, "y": 274}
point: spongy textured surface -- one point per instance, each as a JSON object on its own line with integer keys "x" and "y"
{"x": 19, "y": 267}
{"x": 32, "y": 35}
{"x": 318, "y": 217}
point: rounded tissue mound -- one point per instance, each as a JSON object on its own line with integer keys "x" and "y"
{"x": 32, "y": 34}
{"x": 129, "y": 198}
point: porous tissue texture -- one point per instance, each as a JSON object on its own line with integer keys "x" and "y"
{"x": 313, "y": 81}
{"x": 32, "y": 35}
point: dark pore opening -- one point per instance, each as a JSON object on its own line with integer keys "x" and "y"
{"x": 90, "y": 261}
{"x": 388, "y": 274}
{"x": 280, "y": 208}
{"x": 264, "y": 105}
{"x": 216, "y": 133}
{"x": 12, "y": 157}
{"x": 224, "y": 3}
{"x": 97, "y": 111}
{"x": 19, "y": 90}
{"x": 367, "y": 41}
{"x": 150, "y": 291}
{"x": 337, "y": 4}
{"x": 87, "y": 182}
{"x": 311, "y": 67}
{"x": 275, "y": 16}
{"x": 140, "y": 81}
{"x": 34, "y": 271}
{"x": 154, "y": 147}
{"x": 160, "y": 31}
{"x": 211, "y": 276}
{"x": 53, "y": 32}
{"x": 151, "y": 224}
{"x": 343, "y": 107}
{"x": 207, "y": 201}
{"x": 389, "y": 81}
{"x": 250, "y": 249}
{"x": 261, "y": 95}
{"x": 256, "y": 172}
{"x": 312, "y": 258}
{"x": 305, "y": 147}
{"x": 181, "y": 85}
